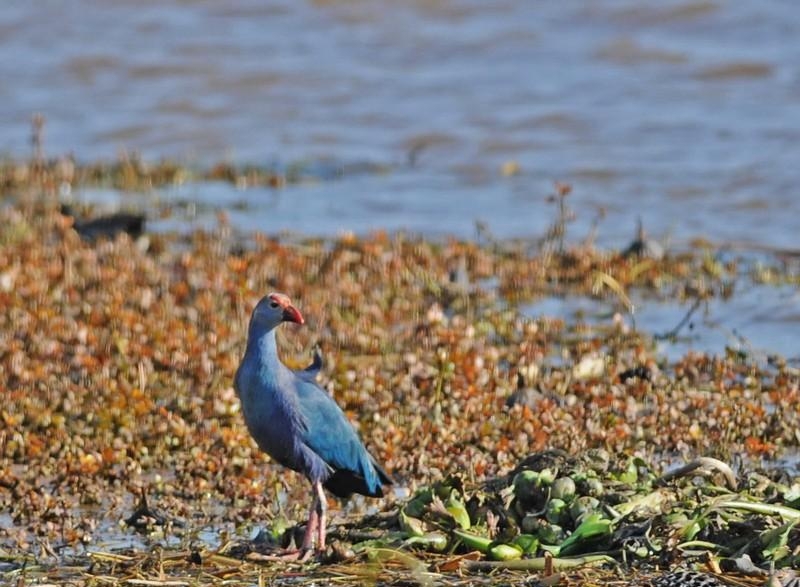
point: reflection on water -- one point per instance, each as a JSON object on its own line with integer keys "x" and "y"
{"x": 759, "y": 320}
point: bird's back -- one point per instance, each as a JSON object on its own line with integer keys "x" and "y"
{"x": 331, "y": 436}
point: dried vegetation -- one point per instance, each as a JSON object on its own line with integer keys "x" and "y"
{"x": 116, "y": 366}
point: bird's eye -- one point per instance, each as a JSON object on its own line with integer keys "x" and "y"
{"x": 273, "y": 304}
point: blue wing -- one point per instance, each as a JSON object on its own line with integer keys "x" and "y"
{"x": 329, "y": 434}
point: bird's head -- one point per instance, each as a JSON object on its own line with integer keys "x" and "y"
{"x": 274, "y": 309}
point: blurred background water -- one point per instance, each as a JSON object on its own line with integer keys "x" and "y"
{"x": 686, "y": 113}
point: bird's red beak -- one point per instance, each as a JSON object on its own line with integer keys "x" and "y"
{"x": 292, "y": 314}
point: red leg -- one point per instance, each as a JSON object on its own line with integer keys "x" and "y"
{"x": 304, "y": 552}
{"x": 311, "y": 527}
{"x": 315, "y": 528}
{"x": 321, "y": 503}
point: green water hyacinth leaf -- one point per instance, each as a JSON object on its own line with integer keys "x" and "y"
{"x": 533, "y": 486}
{"x": 700, "y": 545}
{"x": 417, "y": 507}
{"x": 691, "y": 529}
{"x": 435, "y": 541}
{"x": 455, "y": 507}
{"x": 556, "y": 511}
{"x": 546, "y": 477}
{"x": 582, "y": 507}
{"x": 641, "y": 552}
{"x": 653, "y": 501}
{"x": 551, "y": 534}
{"x": 775, "y": 541}
{"x": 630, "y": 475}
{"x": 505, "y": 552}
{"x": 388, "y": 541}
{"x": 540, "y": 563}
{"x": 593, "y": 486}
{"x": 473, "y": 541}
{"x": 769, "y": 509}
{"x": 564, "y": 489}
{"x": 792, "y": 495}
{"x": 410, "y": 525}
{"x": 279, "y": 526}
{"x": 527, "y": 542}
{"x": 525, "y": 484}
{"x": 592, "y": 528}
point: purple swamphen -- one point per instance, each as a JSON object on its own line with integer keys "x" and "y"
{"x": 297, "y": 423}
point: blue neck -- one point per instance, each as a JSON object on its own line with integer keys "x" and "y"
{"x": 262, "y": 349}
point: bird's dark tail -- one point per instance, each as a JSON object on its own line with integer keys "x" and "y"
{"x": 343, "y": 483}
